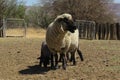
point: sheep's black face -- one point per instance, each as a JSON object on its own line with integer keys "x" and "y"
{"x": 70, "y": 25}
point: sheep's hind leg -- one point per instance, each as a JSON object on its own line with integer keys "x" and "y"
{"x": 80, "y": 54}
{"x": 64, "y": 62}
{"x": 73, "y": 57}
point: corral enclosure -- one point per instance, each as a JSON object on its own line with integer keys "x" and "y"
{"x": 99, "y": 31}
{"x": 18, "y": 60}
{"x": 14, "y": 27}
{"x": 18, "y": 24}
{"x": 87, "y": 29}
{"x": 18, "y": 56}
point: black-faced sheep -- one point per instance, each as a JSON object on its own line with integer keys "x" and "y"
{"x": 62, "y": 37}
{"x": 45, "y": 55}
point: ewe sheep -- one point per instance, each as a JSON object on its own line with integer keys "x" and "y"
{"x": 45, "y": 54}
{"x": 61, "y": 37}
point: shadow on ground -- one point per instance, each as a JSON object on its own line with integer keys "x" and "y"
{"x": 36, "y": 69}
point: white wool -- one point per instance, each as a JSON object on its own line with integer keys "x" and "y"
{"x": 59, "y": 40}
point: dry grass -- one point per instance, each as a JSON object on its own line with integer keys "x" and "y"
{"x": 18, "y": 61}
{"x": 31, "y": 32}
{"x": 35, "y": 33}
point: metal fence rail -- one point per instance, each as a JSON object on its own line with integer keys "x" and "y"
{"x": 11, "y": 23}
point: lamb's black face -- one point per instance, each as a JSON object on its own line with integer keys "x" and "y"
{"x": 70, "y": 25}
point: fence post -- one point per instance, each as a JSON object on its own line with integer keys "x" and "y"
{"x": 25, "y": 28}
{"x": 115, "y": 32}
{"x": 4, "y": 28}
{"x": 106, "y": 31}
{"x": 97, "y": 30}
{"x": 118, "y": 30}
{"x": 94, "y": 32}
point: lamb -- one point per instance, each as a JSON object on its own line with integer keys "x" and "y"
{"x": 45, "y": 55}
{"x": 62, "y": 37}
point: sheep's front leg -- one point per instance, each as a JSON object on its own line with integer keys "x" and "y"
{"x": 64, "y": 62}
{"x": 56, "y": 61}
{"x": 60, "y": 59}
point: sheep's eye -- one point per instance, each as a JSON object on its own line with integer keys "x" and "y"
{"x": 65, "y": 19}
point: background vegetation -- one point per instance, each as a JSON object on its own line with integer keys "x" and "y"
{"x": 45, "y": 11}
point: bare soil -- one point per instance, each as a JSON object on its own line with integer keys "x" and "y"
{"x": 18, "y": 61}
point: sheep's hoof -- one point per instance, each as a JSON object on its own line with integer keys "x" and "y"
{"x": 70, "y": 60}
{"x": 52, "y": 67}
{"x": 64, "y": 67}
{"x": 40, "y": 64}
{"x": 74, "y": 63}
{"x": 82, "y": 59}
{"x": 45, "y": 66}
{"x": 57, "y": 67}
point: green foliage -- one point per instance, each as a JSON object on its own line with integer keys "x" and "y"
{"x": 38, "y": 16}
{"x": 20, "y": 11}
{"x": 95, "y": 10}
{"x": 14, "y": 9}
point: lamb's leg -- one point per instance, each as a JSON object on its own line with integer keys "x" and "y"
{"x": 80, "y": 54}
{"x": 45, "y": 64}
{"x": 46, "y": 61}
{"x": 41, "y": 61}
{"x": 52, "y": 62}
{"x": 64, "y": 63}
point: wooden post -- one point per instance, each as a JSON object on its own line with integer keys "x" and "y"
{"x": 111, "y": 32}
{"x": 114, "y": 32}
{"x": 97, "y": 30}
{"x": 103, "y": 31}
{"x": 118, "y": 30}
{"x": 106, "y": 30}
{"x": 94, "y": 32}
{"x": 25, "y": 28}
{"x": 4, "y": 28}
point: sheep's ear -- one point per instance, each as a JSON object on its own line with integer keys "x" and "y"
{"x": 65, "y": 19}
{"x": 62, "y": 29}
{"x": 60, "y": 19}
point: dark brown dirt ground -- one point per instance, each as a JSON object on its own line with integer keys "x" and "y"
{"x": 18, "y": 61}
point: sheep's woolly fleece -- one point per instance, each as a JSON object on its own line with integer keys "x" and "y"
{"x": 59, "y": 40}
